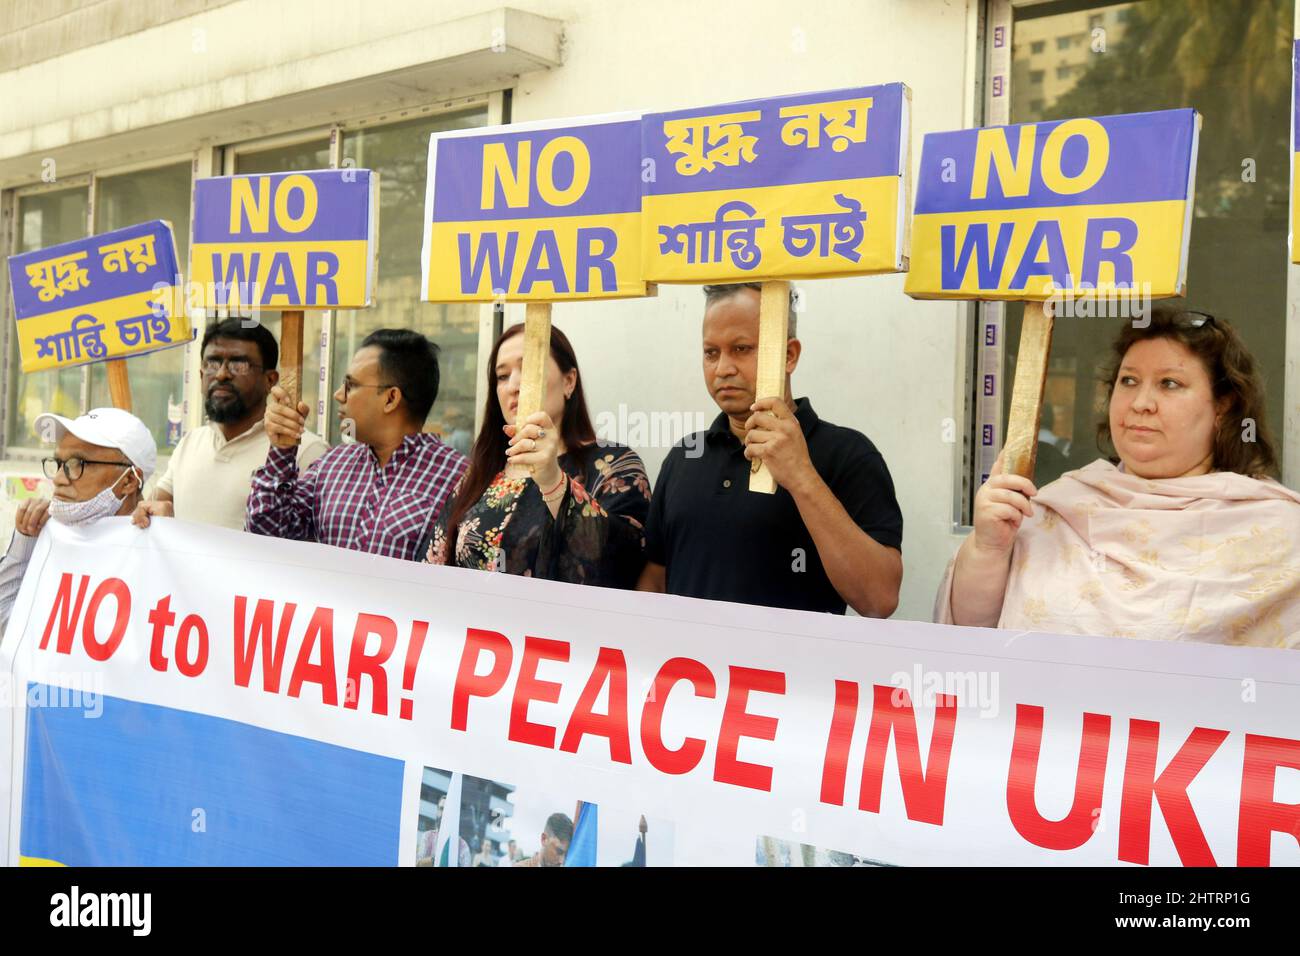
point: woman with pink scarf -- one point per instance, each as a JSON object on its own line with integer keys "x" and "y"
{"x": 1183, "y": 535}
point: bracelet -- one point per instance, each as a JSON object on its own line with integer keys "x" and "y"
{"x": 549, "y": 496}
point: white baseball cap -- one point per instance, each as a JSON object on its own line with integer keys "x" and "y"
{"x": 110, "y": 428}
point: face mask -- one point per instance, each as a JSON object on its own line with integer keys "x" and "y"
{"x": 102, "y": 505}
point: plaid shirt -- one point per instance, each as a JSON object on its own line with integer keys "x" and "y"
{"x": 345, "y": 499}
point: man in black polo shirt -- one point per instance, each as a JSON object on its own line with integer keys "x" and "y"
{"x": 831, "y": 534}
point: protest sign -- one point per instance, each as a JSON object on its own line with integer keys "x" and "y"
{"x": 1083, "y": 205}
{"x": 1076, "y": 208}
{"x": 536, "y": 213}
{"x": 99, "y": 299}
{"x": 810, "y": 185}
{"x": 286, "y": 240}
{"x": 289, "y": 241}
{"x": 803, "y": 186}
{"x": 316, "y": 705}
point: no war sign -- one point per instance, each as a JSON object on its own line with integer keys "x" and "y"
{"x": 534, "y": 212}
{"x": 286, "y": 240}
{"x": 1090, "y": 205}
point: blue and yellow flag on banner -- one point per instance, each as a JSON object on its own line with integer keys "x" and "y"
{"x": 582, "y": 846}
{"x": 145, "y": 785}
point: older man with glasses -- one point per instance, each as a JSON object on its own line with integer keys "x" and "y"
{"x": 211, "y": 471}
{"x": 100, "y": 463}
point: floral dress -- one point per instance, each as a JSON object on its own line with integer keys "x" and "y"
{"x": 596, "y": 537}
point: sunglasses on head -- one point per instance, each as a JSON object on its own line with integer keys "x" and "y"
{"x": 1195, "y": 320}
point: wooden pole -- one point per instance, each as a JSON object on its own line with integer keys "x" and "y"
{"x": 1021, "y": 446}
{"x": 291, "y": 322}
{"x": 119, "y": 384}
{"x": 532, "y": 387}
{"x": 773, "y": 327}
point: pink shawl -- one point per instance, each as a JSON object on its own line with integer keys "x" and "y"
{"x": 1215, "y": 558}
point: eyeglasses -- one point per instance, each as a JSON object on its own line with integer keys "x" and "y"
{"x": 237, "y": 366}
{"x": 349, "y": 385}
{"x": 73, "y": 467}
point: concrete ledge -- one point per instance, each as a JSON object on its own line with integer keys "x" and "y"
{"x": 421, "y": 65}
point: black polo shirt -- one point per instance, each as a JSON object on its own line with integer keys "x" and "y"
{"x": 719, "y": 540}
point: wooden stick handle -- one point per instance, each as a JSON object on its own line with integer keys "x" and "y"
{"x": 773, "y": 327}
{"x": 1021, "y": 448}
{"x": 291, "y": 324}
{"x": 119, "y": 384}
{"x": 532, "y": 386}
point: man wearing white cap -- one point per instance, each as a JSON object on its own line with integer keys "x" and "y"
{"x": 101, "y": 461}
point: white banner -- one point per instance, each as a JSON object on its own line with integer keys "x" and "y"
{"x": 191, "y": 695}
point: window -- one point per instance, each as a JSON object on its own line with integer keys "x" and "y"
{"x": 1062, "y": 73}
{"x": 1036, "y": 77}
{"x": 44, "y": 218}
{"x": 1063, "y": 43}
{"x": 399, "y": 152}
{"x": 1038, "y": 46}
{"x": 157, "y": 379}
{"x": 1240, "y": 80}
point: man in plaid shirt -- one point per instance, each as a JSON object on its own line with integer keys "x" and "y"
{"x": 382, "y": 492}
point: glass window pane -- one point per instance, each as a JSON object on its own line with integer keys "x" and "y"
{"x": 1135, "y": 59}
{"x": 157, "y": 379}
{"x": 44, "y": 219}
{"x": 399, "y": 153}
{"x": 310, "y": 154}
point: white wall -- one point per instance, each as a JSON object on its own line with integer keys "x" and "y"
{"x": 873, "y": 359}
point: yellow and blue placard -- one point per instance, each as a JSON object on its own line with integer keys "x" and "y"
{"x": 801, "y": 186}
{"x": 104, "y": 297}
{"x": 304, "y": 240}
{"x": 537, "y": 212}
{"x": 1091, "y": 205}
